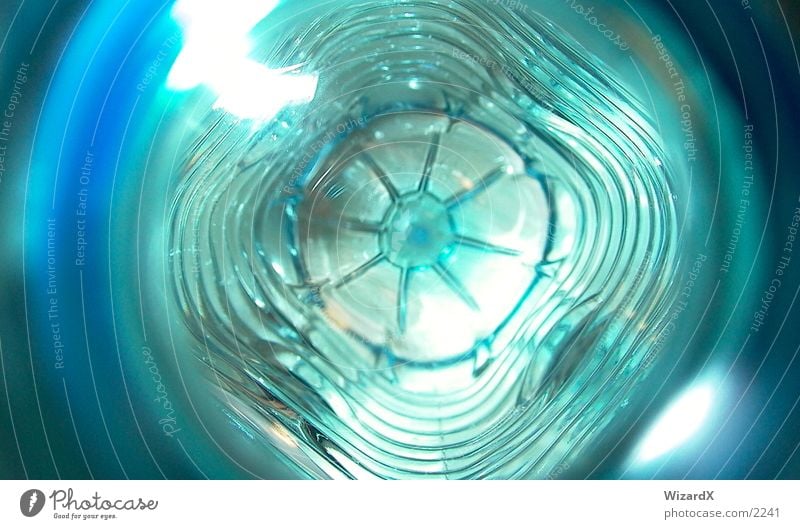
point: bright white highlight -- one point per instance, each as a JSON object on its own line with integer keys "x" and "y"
{"x": 215, "y": 54}
{"x": 682, "y": 419}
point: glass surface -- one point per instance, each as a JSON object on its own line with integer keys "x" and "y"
{"x": 425, "y": 261}
{"x": 439, "y": 239}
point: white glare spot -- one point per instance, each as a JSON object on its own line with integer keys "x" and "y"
{"x": 215, "y": 54}
{"x": 682, "y": 419}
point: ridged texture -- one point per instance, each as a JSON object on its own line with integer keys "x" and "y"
{"x": 532, "y": 394}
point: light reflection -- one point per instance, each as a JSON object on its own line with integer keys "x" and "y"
{"x": 215, "y": 54}
{"x": 678, "y": 423}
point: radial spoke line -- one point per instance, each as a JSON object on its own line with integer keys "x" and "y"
{"x": 479, "y": 187}
{"x": 430, "y": 159}
{"x": 402, "y": 299}
{"x": 361, "y": 270}
{"x": 381, "y": 174}
{"x": 486, "y": 246}
{"x": 455, "y": 285}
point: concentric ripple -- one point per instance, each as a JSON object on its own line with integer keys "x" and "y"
{"x": 454, "y": 262}
{"x": 406, "y": 240}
